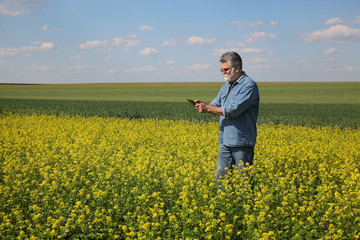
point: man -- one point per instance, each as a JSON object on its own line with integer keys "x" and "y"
{"x": 237, "y": 103}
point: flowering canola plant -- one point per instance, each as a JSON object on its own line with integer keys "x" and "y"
{"x": 109, "y": 178}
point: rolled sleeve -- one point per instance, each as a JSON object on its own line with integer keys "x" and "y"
{"x": 244, "y": 99}
{"x": 223, "y": 111}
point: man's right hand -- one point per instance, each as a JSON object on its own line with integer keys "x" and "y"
{"x": 200, "y": 106}
{"x": 207, "y": 108}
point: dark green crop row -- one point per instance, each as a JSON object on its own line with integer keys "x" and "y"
{"x": 341, "y": 115}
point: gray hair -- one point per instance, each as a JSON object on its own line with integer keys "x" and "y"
{"x": 234, "y": 59}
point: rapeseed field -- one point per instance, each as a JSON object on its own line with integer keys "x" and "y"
{"x": 73, "y": 177}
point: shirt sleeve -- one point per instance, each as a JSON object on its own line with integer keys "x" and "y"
{"x": 243, "y": 100}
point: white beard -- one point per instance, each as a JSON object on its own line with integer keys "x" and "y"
{"x": 227, "y": 78}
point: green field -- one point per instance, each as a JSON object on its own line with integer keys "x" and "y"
{"x": 312, "y": 104}
{"x": 67, "y": 175}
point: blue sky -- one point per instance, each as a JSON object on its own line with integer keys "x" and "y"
{"x": 88, "y": 41}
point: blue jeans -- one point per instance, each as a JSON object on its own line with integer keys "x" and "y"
{"x": 232, "y": 156}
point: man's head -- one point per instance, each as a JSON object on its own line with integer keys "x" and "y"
{"x": 231, "y": 66}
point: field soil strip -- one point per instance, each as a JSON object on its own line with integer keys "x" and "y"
{"x": 152, "y": 84}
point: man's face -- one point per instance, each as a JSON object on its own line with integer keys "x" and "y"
{"x": 228, "y": 72}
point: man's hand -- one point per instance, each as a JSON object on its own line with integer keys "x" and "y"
{"x": 200, "y": 106}
{"x": 207, "y": 108}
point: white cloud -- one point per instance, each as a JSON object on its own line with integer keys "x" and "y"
{"x": 126, "y": 44}
{"x": 252, "y": 38}
{"x": 47, "y": 46}
{"x": 195, "y": 40}
{"x": 117, "y": 41}
{"x": 169, "y": 43}
{"x": 29, "y": 49}
{"x": 244, "y": 24}
{"x": 251, "y": 50}
{"x": 260, "y": 36}
{"x": 198, "y": 66}
{"x": 9, "y": 51}
{"x": 332, "y": 50}
{"x": 148, "y": 52}
{"x": 273, "y": 23}
{"x": 170, "y": 62}
{"x": 338, "y": 34}
{"x": 148, "y": 68}
{"x": 44, "y": 46}
{"x": 351, "y": 69}
{"x": 256, "y": 24}
{"x": 69, "y": 69}
{"x": 146, "y": 27}
{"x": 337, "y": 20}
{"x": 8, "y": 9}
{"x": 239, "y": 24}
{"x": 96, "y": 44}
{"x": 333, "y": 21}
{"x": 45, "y": 27}
{"x": 131, "y": 43}
{"x": 76, "y": 57}
{"x": 15, "y": 8}
{"x": 78, "y": 68}
{"x": 36, "y": 67}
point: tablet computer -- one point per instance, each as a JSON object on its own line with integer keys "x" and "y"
{"x": 192, "y": 102}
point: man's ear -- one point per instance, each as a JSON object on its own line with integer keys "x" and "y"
{"x": 237, "y": 69}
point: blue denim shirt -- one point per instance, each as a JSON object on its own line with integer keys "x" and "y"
{"x": 240, "y": 106}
